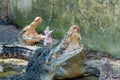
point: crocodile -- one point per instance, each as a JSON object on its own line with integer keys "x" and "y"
{"x": 45, "y": 61}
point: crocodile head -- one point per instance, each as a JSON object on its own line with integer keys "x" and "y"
{"x": 68, "y": 47}
{"x": 69, "y": 43}
{"x": 29, "y": 35}
{"x": 74, "y": 66}
{"x": 72, "y": 39}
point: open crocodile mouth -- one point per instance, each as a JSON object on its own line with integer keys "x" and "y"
{"x": 69, "y": 45}
{"x": 72, "y": 40}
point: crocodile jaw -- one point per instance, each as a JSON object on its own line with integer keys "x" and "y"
{"x": 64, "y": 57}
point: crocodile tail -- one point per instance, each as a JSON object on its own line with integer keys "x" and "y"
{"x": 11, "y": 51}
{"x": 92, "y": 70}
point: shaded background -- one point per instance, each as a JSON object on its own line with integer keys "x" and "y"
{"x": 99, "y": 20}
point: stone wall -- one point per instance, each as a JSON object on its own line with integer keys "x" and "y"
{"x": 3, "y": 9}
{"x": 99, "y": 20}
{"x": 24, "y": 11}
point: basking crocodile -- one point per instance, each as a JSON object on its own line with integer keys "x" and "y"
{"x": 46, "y": 61}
